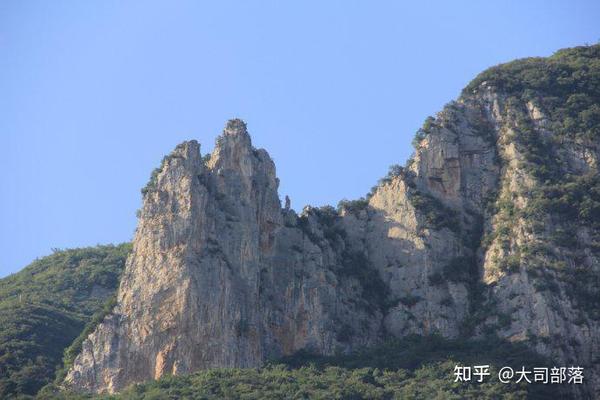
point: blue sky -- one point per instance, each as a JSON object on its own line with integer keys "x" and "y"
{"x": 94, "y": 93}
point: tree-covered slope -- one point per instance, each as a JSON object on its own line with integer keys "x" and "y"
{"x": 552, "y": 109}
{"x": 45, "y": 306}
{"x": 412, "y": 368}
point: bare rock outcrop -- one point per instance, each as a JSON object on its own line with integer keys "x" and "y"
{"x": 217, "y": 278}
{"x": 468, "y": 239}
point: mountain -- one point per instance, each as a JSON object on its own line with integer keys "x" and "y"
{"x": 489, "y": 234}
{"x": 491, "y": 227}
{"x": 44, "y": 308}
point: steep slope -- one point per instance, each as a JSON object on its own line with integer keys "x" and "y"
{"x": 216, "y": 278}
{"x": 516, "y": 158}
{"x": 491, "y": 228}
{"x": 541, "y": 261}
{"x": 512, "y": 166}
{"x": 45, "y": 306}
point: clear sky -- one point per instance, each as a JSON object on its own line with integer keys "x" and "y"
{"x": 94, "y": 93}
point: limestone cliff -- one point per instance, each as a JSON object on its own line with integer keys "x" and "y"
{"x": 220, "y": 275}
{"x": 492, "y": 227}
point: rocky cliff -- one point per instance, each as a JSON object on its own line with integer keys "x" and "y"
{"x": 493, "y": 227}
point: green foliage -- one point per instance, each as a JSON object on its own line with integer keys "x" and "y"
{"x": 540, "y": 158}
{"x": 74, "y": 349}
{"x": 45, "y": 306}
{"x": 412, "y": 368}
{"x": 236, "y": 124}
{"x": 423, "y": 132}
{"x": 436, "y": 215}
{"x": 394, "y": 172}
{"x": 151, "y": 185}
{"x": 460, "y": 269}
{"x": 374, "y": 290}
{"x": 206, "y": 158}
{"x": 577, "y": 198}
{"x": 572, "y": 74}
{"x": 327, "y": 215}
{"x": 572, "y": 203}
{"x": 566, "y": 86}
{"x": 326, "y": 218}
{"x": 353, "y": 206}
{"x": 354, "y": 264}
{"x": 510, "y": 263}
{"x": 435, "y": 279}
{"x": 564, "y": 237}
{"x": 584, "y": 285}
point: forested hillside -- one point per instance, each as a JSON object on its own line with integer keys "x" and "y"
{"x": 45, "y": 306}
{"x": 412, "y": 368}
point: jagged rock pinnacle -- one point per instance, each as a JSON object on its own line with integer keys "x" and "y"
{"x": 235, "y": 127}
{"x": 235, "y": 131}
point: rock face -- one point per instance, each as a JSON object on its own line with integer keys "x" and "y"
{"x": 220, "y": 275}
{"x": 493, "y": 227}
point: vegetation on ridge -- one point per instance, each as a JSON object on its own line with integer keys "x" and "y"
{"x": 415, "y": 367}
{"x": 45, "y": 306}
{"x": 565, "y": 87}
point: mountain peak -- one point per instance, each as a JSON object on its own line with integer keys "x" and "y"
{"x": 235, "y": 126}
{"x": 235, "y": 132}
{"x": 187, "y": 149}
